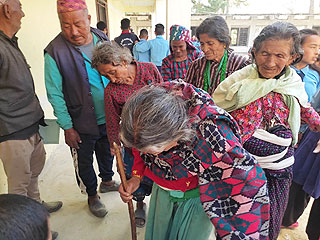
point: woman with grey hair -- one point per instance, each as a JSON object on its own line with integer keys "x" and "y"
{"x": 126, "y": 76}
{"x": 190, "y": 148}
{"x": 268, "y": 101}
{"x": 219, "y": 60}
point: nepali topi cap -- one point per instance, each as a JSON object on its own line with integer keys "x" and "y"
{"x": 64, "y": 6}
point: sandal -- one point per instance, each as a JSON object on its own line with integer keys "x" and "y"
{"x": 140, "y": 216}
{"x": 103, "y": 188}
{"x": 292, "y": 226}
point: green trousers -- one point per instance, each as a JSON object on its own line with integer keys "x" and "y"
{"x": 168, "y": 220}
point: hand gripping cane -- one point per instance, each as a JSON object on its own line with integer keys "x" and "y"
{"x": 125, "y": 186}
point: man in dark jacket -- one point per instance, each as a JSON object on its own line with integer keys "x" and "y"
{"x": 126, "y": 38}
{"x": 76, "y": 93}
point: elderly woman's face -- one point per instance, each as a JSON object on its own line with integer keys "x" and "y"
{"x": 211, "y": 47}
{"x": 179, "y": 49}
{"x": 115, "y": 73}
{"x": 273, "y": 56}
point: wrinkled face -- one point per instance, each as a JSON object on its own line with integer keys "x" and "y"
{"x": 159, "y": 149}
{"x": 115, "y": 73}
{"x": 75, "y": 27}
{"x": 179, "y": 48}
{"x": 310, "y": 48}
{"x": 16, "y": 14}
{"x": 273, "y": 56}
{"x": 211, "y": 47}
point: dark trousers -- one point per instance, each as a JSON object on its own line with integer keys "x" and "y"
{"x": 83, "y": 160}
{"x": 279, "y": 182}
{"x": 298, "y": 201}
{"x": 159, "y": 68}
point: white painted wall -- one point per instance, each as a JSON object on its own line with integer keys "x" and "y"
{"x": 179, "y": 12}
{"x": 158, "y": 16}
{"x": 116, "y": 12}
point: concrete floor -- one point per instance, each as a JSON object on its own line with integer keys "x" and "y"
{"x": 74, "y": 220}
{"x": 298, "y": 233}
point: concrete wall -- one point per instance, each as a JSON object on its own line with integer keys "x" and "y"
{"x": 116, "y": 12}
{"x": 158, "y": 16}
{"x": 179, "y": 12}
{"x": 171, "y": 12}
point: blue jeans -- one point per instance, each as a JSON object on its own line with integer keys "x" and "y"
{"x": 83, "y": 160}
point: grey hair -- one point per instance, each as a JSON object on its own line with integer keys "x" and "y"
{"x": 216, "y": 27}
{"x": 279, "y": 31}
{"x": 110, "y": 53}
{"x": 153, "y": 117}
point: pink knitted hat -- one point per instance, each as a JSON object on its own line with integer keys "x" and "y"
{"x": 70, "y": 5}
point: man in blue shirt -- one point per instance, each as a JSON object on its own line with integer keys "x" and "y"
{"x": 310, "y": 77}
{"x": 76, "y": 93}
{"x": 143, "y": 52}
{"x": 159, "y": 47}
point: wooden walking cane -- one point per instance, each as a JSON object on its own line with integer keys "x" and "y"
{"x": 125, "y": 186}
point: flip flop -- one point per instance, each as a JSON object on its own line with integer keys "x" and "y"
{"x": 140, "y": 214}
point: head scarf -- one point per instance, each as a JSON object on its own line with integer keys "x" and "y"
{"x": 180, "y": 33}
{"x": 64, "y": 6}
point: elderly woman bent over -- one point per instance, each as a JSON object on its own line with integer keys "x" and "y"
{"x": 190, "y": 148}
{"x": 126, "y": 76}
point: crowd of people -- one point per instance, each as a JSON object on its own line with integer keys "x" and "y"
{"x": 226, "y": 145}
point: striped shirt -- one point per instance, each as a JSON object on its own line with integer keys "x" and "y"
{"x": 195, "y": 73}
{"x": 171, "y": 70}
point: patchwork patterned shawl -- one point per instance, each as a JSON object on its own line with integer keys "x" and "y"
{"x": 232, "y": 185}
